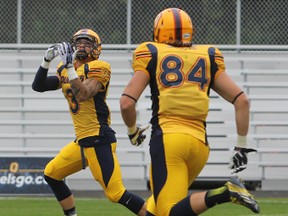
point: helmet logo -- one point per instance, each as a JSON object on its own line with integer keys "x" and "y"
{"x": 186, "y": 36}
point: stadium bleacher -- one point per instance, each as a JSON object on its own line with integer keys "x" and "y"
{"x": 34, "y": 123}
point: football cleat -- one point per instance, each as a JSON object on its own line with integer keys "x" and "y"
{"x": 239, "y": 195}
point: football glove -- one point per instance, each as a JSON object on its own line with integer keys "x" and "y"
{"x": 66, "y": 53}
{"x": 138, "y": 137}
{"x": 239, "y": 159}
{"x": 51, "y": 53}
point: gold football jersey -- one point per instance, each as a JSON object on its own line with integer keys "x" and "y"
{"x": 89, "y": 115}
{"x": 180, "y": 81}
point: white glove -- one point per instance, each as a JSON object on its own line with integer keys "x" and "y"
{"x": 239, "y": 159}
{"x": 138, "y": 137}
{"x": 51, "y": 53}
{"x": 66, "y": 53}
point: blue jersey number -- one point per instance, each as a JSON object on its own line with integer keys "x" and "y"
{"x": 171, "y": 74}
{"x": 74, "y": 106}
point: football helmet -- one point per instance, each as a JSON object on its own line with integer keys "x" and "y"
{"x": 91, "y": 36}
{"x": 173, "y": 26}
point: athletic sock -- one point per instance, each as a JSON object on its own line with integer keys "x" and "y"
{"x": 132, "y": 202}
{"x": 70, "y": 212}
{"x": 182, "y": 208}
{"x": 217, "y": 196}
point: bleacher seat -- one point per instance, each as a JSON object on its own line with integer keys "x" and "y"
{"x": 34, "y": 123}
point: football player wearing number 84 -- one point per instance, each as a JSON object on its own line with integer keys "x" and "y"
{"x": 180, "y": 76}
{"x": 84, "y": 80}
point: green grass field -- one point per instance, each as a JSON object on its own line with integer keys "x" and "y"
{"x": 40, "y": 206}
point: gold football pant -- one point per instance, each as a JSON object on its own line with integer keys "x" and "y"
{"x": 102, "y": 161}
{"x": 176, "y": 160}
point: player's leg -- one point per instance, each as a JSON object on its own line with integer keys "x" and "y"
{"x": 169, "y": 154}
{"x": 151, "y": 207}
{"x": 198, "y": 156}
{"x": 68, "y": 161}
{"x": 177, "y": 159}
{"x": 105, "y": 168}
{"x": 233, "y": 191}
{"x": 197, "y": 203}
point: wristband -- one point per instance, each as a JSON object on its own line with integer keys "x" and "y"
{"x": 45, "y": 64}
{"x": 72, "y": 73}
{"x": 131, "y": 130}
{"x": 241, "y": 141}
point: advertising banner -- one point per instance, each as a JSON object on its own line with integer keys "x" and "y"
{"x": 23, "y": 175}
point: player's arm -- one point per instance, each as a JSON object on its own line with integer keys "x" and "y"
{"x": 229, "y": 90}
{"x": 42, "y": 82}
{"x": 136, "y": 86}
{"x": 86, "y": 89}
{"x": 130, "y": 96}
{"x": 132, "y": 93}
{"x": 128, "y": 101}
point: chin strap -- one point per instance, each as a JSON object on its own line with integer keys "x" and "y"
{"x": 81, "y": 56}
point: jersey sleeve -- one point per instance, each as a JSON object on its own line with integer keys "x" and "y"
{"x": 219, "y": 61}
{"x": 101, "y": 71}
{"x": 141, "y": 58}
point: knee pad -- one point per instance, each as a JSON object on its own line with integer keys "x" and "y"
{"x": 59, "y": 188}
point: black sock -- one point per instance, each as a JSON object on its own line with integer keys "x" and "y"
{"x": 132, "y": 202}
{"x": 70, "y": 211}
{"x": 217, "y": 196}
{"x": 182, "y": 208}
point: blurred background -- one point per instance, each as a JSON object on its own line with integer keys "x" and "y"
{"x": 235, "y": 22}
{"x": 33, "y": 127}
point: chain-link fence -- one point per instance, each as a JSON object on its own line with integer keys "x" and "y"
{"x": 233, "y": 22}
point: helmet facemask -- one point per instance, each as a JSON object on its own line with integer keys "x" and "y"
{"x": 92, "y": 38}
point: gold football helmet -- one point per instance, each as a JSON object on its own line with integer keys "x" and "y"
{"x": 173, "y": 26}
{"x": 94, "y": 38}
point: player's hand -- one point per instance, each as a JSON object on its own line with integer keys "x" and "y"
{"x": 239, "y": 159}
{"x": 66, "y": 53}
{"x": 51, "y": 53}
{"x": 138, "y": 137}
